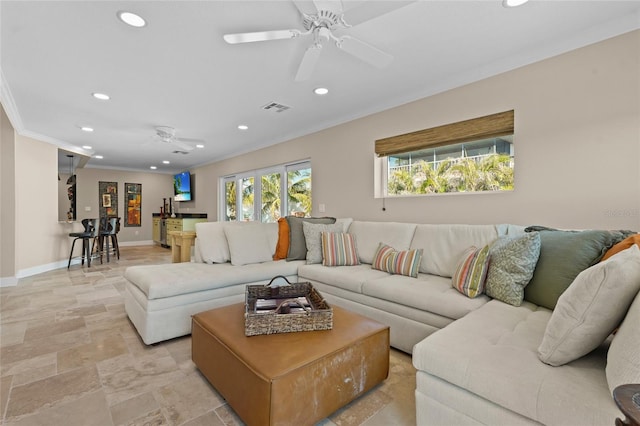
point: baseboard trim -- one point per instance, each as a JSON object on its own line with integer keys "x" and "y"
{"x": 35, "y": 270}
{"x": 136, "y": 243}
{"x": 8, "y": 281}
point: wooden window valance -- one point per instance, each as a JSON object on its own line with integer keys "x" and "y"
{"x": 486, "y": 127}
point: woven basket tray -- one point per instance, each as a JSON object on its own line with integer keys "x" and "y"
{"x": 294, "y": 307}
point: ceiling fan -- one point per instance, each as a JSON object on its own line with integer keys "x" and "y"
{"x": 320, "y": 19}
{"x": 168, "y": 135}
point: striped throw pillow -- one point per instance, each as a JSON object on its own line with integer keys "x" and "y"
{"x": 388, "y": 259}
{"x": 471, "y": 272}
{"x": 339, "y": 249}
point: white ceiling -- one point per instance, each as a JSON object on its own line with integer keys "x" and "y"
{"x": 177, "y": 71}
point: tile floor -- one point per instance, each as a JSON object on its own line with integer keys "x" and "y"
{"x": 69, "y": 356}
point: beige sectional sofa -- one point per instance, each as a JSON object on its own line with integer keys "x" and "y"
{"x": 476, "y": 358}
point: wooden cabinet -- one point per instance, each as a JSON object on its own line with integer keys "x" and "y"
{"x": 156, "y": 229}
{"x": 162, "y": 227}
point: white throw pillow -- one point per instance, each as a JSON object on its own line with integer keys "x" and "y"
{"x": 248, "y": 243}
{"x": 211, "y": 242}
{"x": 591, "y": 308}
{"x": 623, "y": 358}
{"x": 313, "y": 238}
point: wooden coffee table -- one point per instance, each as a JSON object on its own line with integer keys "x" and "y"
{"x": 290, "y": 378}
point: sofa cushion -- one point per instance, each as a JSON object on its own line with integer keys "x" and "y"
{"x": 174, "y": 279}
{"x": 370, "y": 234}
{"x": 623, "y": 359}
{"x": 444, "y": 244}
{"x": 346, "y": 223}
{"x": 313, "y": 238}
{"x": 403, "y": 262}
{"x": 492, "y": 352}
{"x": 591, "y": 308}
{"x": 211, "y": 242}
{"x": 339, "y": 249}
{"x": 297, "y": 244}
{"x": 513, "y": 260}
{"x": 563, "y": 255}
{"x": 471, "y": 272}
{"x": 249, "y": 243}
{"x": 347, "y": 277}
{"x": 429, "y": 293}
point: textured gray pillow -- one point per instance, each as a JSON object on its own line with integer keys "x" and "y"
{"x": 313, "y": 238}
{"x": 297, "y": 244}
{"x": 511, "y": 267}
{"x": 591, "y": 308}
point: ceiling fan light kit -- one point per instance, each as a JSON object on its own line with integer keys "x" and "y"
{"x": 321, "y": 24}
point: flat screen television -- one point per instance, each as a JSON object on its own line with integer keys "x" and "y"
{"x": 182, "y": 187}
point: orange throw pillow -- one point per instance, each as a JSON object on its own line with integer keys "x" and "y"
{"x": 622, "y": 245}
{"x": 282, "y": 247}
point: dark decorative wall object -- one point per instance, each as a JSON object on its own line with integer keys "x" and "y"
{"x": 108, "y": 198}
{"x": 134, "y": 204}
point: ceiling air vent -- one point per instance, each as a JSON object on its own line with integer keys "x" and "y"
{"x": 180, "y": 152}
{"x": 276, "y": 107}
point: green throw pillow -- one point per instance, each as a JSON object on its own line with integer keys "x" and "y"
{"x": 563, "y": 255}
{"x": 297, "y": 242}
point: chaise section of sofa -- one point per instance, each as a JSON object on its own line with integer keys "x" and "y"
{"x": 522, "y": 365}
{"x": 484, "y": 369}
{"x": 160, "y": 299}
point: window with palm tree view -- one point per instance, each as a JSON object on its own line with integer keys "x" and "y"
{"x": 482, "y": 165}
{"x": 268, "y": 194}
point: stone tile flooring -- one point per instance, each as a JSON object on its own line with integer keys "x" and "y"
{"x": 69, "y": 356}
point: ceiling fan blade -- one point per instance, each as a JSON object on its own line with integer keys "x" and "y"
{"x": 365, "y": 52}
{"x": 334, "y": 6}
{"x": 260, "y": 36}
{"x": 308, "y": 63}
{"x": 306, "y": 7}
{"x": 362, "y": 11}
{"x": 180, "y": 145}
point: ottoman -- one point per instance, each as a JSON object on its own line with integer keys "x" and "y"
{"x": 290, "y": 378}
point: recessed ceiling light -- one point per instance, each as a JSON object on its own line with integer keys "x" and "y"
{"x": 243, "y": 127}
{"x": 99, "y": 157}
{"x": 132, "y": 19}
{"x": 166, "y": 162}
{"x": 86, "y": 129}
{"x": 86, "y": 147}
{"x": 513, "y": 3}
{"x": 321, "y": 91}
{"x": 101, "y": 96}
{"x": 153, "y": 167}
{"x": 199, "y": 146}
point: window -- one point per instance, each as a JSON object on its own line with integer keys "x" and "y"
{"x": 469, "y": 156}
{"x": 266, "y": 195}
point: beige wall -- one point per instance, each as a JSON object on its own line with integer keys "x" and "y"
{"x": 32, "y": 239}
{"x": 154, "y": 187}
{"x": 7, "y": 200}
{"x": 577, "y": 147}
{"x": 37, "y": 232}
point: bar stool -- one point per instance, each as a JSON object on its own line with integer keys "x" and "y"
{"x": 90, "y": 233}
{"x": 109, "y": 228}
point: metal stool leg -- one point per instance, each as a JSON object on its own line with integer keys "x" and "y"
{"x": 71, "y": 253}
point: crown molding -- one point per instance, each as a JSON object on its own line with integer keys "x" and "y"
{"x": 9, "y": 104}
